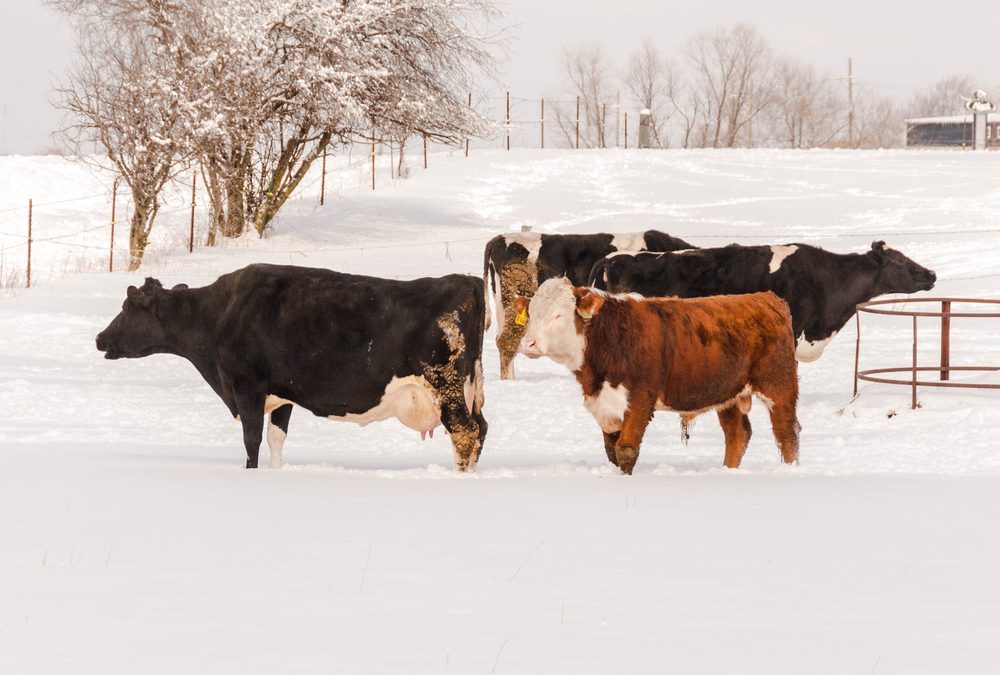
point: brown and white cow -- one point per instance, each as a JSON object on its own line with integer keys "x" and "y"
{"x": 633, "y": 356}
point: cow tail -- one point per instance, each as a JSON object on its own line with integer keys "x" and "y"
{"x": 489, "y": 273}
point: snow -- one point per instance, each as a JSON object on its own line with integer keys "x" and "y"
{"x": 132, "y": 536}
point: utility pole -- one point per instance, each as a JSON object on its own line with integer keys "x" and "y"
{"x": 850, "y": 103}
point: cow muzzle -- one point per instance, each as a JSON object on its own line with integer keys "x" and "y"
{"x": 103, "y": 346}
{"x": 529, "y": 347}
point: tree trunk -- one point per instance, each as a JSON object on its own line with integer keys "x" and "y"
{"x": 285, "y": 178}
{"x": 144, "y": 213}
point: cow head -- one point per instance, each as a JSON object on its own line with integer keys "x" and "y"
{"x": 897, "y": 273}
{"x": 136, "y": 331}
{"x": 557, "y": 315}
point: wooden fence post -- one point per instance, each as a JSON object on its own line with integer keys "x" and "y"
{"x": 28, "y": 283}
{"x": 114, "y": 204}
{"x": 322, "y": 182}
{"x": 508, "y": 121}
{"x": 467, "y": 138}
{"x": 543, "y": 123}
{"x": 604, "y": 125}
{"x": 194, "y": 181}
{"x": 425, "y": 151}
{"x": 373, "y": 159}
{"x": 626, "y": 131}
{"x": 577, "y": 122}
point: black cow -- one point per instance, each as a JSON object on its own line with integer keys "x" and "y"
{"x": 342, "y": 346}
{"x": 516, "y": 264}
{"x": 821, "y": 288}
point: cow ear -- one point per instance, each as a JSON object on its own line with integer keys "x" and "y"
{"x": 588, "y": 305}
{"x": 152, "y": 284}
{"x": 878, "y": 252}
{"x": 180, "y": 287}
{"x": 131, "y": 292}
{"x": 521, "y": 304}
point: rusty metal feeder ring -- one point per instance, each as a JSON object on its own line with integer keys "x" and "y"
{"x": 945, "y": 369}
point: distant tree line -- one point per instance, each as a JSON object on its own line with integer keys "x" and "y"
{"x": 728, "y": 88}
{"x": 252, "y": 92}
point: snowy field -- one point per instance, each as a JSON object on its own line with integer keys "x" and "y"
{"x": 132, "y": 541}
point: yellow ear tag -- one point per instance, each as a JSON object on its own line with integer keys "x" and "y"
{"x": 522, "y": 318}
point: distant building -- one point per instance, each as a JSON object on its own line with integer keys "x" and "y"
{"x": 974, "y": 130}
{"x": 955, "y": 131}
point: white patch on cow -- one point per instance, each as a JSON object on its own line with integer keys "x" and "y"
{"x": 409, "y": 399}
{"x": 552, "y": 326}
{"x": 529, "y": 240}
{"x": 275, "y": 442}
{"x": 631, "y": 295}
{"x": 810, "y": 350}
{"x": 629, "y": 241}
{"x": 273, "y": 402}
{"x": 473, "y": 388}
{"x": 608, "y": 407}
{"x": 765, "y": 400}
{"x": 615, "y": 254}
{"x": 778, "y": 255}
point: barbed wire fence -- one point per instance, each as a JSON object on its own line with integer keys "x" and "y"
{"x": 525, "y": 123}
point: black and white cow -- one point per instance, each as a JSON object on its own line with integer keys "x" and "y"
{"x": 343, "y": 346}
{"x": 821, "y": 288}
{"x": 516, "y": 264}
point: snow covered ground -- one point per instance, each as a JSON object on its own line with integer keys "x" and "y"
{"x": 132, "y": 541}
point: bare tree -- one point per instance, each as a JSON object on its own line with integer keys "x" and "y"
{"x": 652, "y": 82}
{"x": 944, "y": 97}
{"x": 732, "y": 70}
{"x": 115, "y": 97}
{"x": 588, "y": 73}
{"x": 878, "y": 120}
{"x": 808, "y": 110}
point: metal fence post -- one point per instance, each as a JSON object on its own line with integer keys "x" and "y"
{"x": 913, "y": 403}
{"x": 945, "y": 339}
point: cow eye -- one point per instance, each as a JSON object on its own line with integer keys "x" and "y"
{"x": 558, "y": 315}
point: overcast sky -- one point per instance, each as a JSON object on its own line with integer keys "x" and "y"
{"x": 896, "y": 46}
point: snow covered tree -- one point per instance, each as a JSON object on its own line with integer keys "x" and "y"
{"x": 117, "y": 97}
{"x": 264, "y": 87}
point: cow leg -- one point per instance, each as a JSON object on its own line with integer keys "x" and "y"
{"x": 465, "y": 432}
{"x": 786, "y": 429}
{"x": 483, "y": 426}
{"x": 609, "y": 446}
{"x": 506, "y": 355}
{"x": 516, "y": 279}
{"x": 736, "y": 426}
{"x": 637, "y": 417}
{"x": 277, "y": 430}
{"x": 250, "y": 406}
{"x": 508, "y": 341}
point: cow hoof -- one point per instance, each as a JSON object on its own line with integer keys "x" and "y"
{"x": 627, "y": 456}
